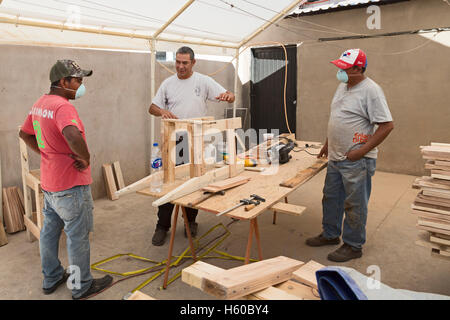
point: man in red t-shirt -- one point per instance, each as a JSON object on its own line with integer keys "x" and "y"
{"x": 54, "y": 130}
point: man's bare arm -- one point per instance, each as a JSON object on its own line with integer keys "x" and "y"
{"x": 78, "y": 146}
{"x": 158, "y": 112}
{"x": 30, "y": 140}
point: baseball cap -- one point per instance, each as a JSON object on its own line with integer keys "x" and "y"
{"x": 67, "y": 68}
{"x": 350, "y": 58}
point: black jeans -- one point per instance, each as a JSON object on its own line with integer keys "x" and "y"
{"x": 165, "y": 210}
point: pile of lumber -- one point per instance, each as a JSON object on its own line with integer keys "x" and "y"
{"x": 279, "y": 278}
{"x": 112, "y": 174}
{"x": 432, "y": 204}
{"x": 13, "y": 209}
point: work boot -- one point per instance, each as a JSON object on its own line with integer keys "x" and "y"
{"x": 320, "y": 240}
{"x": 193, "y": 226}
{"x": 56, "y": 285}
{"x": 97, "y": 285}
{"x": 345, "y": 253}
{"x": 159, "y": 237}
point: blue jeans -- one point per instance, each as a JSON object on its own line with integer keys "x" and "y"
{"x": 347, "y": 189}
{"x": 72, "y": 210}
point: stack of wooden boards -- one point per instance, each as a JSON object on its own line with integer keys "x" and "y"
{"x": 112, "y": 173}
{"x": 13, "y": 209}
{"x": 279, "y": 278}
{"x": 432, "y": 204}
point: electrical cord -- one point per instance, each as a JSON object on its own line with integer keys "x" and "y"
{"x": 162, "y": 267}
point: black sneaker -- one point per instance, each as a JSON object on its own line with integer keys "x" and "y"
{"x": 96, "y": 286}
{"x": 56, "y": 285}
{"x": 159, "y": 237}
{"x": 193, "y": 226}
{"x": 345, "y": 253}
{"x": 320, "y": 240}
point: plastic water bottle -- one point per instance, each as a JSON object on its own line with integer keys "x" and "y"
{"x": 156, "y": 169}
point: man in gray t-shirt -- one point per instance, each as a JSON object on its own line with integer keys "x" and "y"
{"x": 182, "y": 96}
{"x": 359, "y": 121}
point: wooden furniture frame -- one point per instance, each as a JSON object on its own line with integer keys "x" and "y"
{"x": 31, "y": 180}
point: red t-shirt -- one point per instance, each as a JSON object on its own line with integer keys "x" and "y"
{"x": 46, "y": 120}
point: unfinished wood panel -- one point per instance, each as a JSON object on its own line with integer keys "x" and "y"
{"x": 272, "y": 293}
{"x": 199, "y": 165}
{"x": 3, "y": 237}
{"x": 250, "y": 278}
{"x": 305, "y": 174}
{"x": 110, "y": 184}
{"x": 300, "y": 290}
{"x": 440, "y": 176}
{"x": 32, "y": 227}
{"x": 288, "y": 208}
{"x": 119, "y": 176}
{"x": 439, "y": 240}
{"x": 231, "y": 149}
{"x": 194, "y": 274}
{"x": 138, "y": 295}
{"x": 436, "y": 193}
{"x": 307, "y": 273}
{"x": 433, "y": 229}
{"x": 430, "y": 208}
{"x": 431, "y": 215}
{"x": 226, "y": 184}
{"x": 433, "y": 183}
{"x": 421, "y": 198}
{"x": 13, "y": 210}
{"x": 435, "y": 223}
{"x": 169, "y": 172}
{"x": 440, "y": 254}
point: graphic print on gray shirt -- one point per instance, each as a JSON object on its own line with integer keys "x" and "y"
{"x": 186, "y": 98}
{"x": 353, "y": 118}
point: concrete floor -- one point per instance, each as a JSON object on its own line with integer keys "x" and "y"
{"x": 127, "y": 225}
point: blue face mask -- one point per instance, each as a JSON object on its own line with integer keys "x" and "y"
{"x": 342, "y": 76}
{"x": 79, "y": 92}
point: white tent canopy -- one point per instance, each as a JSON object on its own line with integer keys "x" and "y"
{"x": 215, "y": 26}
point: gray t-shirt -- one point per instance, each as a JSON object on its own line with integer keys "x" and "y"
{"x": 353, "y": 118}
{"x": 186, "y": 98}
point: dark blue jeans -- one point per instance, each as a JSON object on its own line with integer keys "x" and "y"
{"x": 347, "y": 189}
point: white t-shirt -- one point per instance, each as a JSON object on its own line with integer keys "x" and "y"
{"x": 186, "y": 98}
{"x": 354, "y": 114}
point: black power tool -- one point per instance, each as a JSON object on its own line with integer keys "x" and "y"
{"x": 282, "y": 150}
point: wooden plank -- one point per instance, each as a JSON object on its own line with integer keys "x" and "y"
{"x": 195, "y": 273}
{"x": 438, "y": 240}
{"x": 433, "y": 229}
{"x": 433, "y": 183}
{"x": 435, "y": 223}
{"x": 272, "y": 293}
{"x": 440, "y": 176}
{"x": 430, "y": 208}
{"x": 440, "y": 144}
{"x": 110, "y": 184}
{"x": 250, "y": 278}
{"x": 119, "y": 176}
{"x": 440, "y": 254}
{"x": 299, "y": 290}
{"x": 432, "y": 215}
{"x": 199, "y": 167}
{"x": 442, "y": 163}
{"x": 194, "y": 184}
{"x": 138, "y": 295}
{"x": 307, "y": 273}
{"x": 430, "y": 245}
{"x": 32, "y": 227}
{"x": 421, "y": 198}
{"x": 226, "y": 184}
{"x": 288, "y": 208}
{"x": 436, "y": 193}
{"x": 306, "y": 174}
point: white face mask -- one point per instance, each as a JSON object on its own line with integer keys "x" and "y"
{"x": 342, "y": 76}
{"x": 79, "y": 92}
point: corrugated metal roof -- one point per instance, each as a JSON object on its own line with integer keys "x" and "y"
{"x": 324, "y": 5}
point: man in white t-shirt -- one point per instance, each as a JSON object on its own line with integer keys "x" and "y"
{"x": 359, "y": 121}
{"x": 182, "y": 96}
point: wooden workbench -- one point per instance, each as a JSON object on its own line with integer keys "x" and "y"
{"x": 265, "y": 184}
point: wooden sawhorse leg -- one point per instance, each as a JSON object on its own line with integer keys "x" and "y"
{"x": 275, "y": 213}
{"x": 253, "y": 229}
{"x": 172, "y": 240}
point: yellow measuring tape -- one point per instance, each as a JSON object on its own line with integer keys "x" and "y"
{"x": 184, "y": 255}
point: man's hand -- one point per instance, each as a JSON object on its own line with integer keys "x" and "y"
{"x": 355, "y": 155}
{"x": 79, "y": 164}
{"x": 226, "y": 96}
{"x": 324, "y": 151}
{"x": 166, "y": 114}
